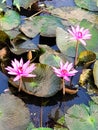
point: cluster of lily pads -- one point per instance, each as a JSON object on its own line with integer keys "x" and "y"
{"x": 76, "y": 38}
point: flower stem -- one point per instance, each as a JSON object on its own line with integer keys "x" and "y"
{"x": 63, "y": 83}
{"x": 76, "y": 53}
{"x": 20, "y": 84}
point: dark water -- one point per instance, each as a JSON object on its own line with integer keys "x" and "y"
{"x": 47, "y": 106}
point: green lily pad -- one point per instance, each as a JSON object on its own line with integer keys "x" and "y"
{"x": 82, "y": 117}
{"x": 92, "y": 43}
{"x": 23, "y": 47}
{"x": 30, "y": 126}
{"x": 95, "y": 99}
{"x": 50, "y": 56}
{"x": 24, "y": 3}
{"x": 70, "y": 14}
{"x": 2, "y": 6}
{"x": 45, "y": 84}
{"x": 10, "y": 113}
{"x": 45, "y": 25}
{"x": 10, "y": 20}
{"x": 66, "y": 46}
{"x": 87, "y": 4}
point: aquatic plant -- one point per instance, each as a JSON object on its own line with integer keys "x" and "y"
{"x": 20, "y": 69}
{"x": 65, "y": 71}
{"x": 79, "y": 35}
{"x": 14, "y": 115}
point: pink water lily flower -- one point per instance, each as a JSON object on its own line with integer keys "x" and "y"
{"x": 65, "y": 71}
{"x": 80, "y": 34}
{"x": 21, "y": 69}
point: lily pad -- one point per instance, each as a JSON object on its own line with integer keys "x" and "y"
{"x": 10, "y": 20}
{"x": 92, "y": 43}
{"x": 86, "y": 58}
{"x": 82, "y": 117}
{"x": 95, "y": 99}
{"x": 87, "y": 4}
{"x": 50, "y": 56}
{"x": 24, "y": 3}
{"x": 66, "y": 46}
{"x": 70, "y": 14}
{"x": 45, "y": 84}
{"x": 2, "y": 6}
{"x": 95, "y": 73}
{"x": 24, "y": 47}
{"x": 10, "y": 113}
{"x": 45, "y": 25}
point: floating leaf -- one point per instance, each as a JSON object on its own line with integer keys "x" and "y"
{"x": 95, "y": 99}
{"x": 23, "y": 47}
{"x": 45, "y": 84}
{"x": 61, "y": 125}
{"x": 50, "y": 56}
{"x": 30, "y": 126}
{"x": 92, "y": 43}
{"x": 45, "y": 25}
{"x": 87, "y": 4}
{"x": 2, "y": 5}
{"x": 95, "y": 73}
{"x": 24, "y": 3}
{"x": 10, "y": 20}
{"x": 86, "y": 58}
{"x": 82, "y": 117}
{"x": 70, "y": 14}
{"x": 10, "y": 118}
{"x": 64, "y": 43}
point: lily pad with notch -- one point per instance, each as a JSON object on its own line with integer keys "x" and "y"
{"x": 45, "y": 84}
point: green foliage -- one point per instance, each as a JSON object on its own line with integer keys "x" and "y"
{"x": 23, "y": 3}
{"x": 50, "y": 56}
{"x": 82, "y": 117}
{"x": 92, "y": 43}
{"x": 45, "y": 25}
{"x": 87, "y": 4}
{"x": 10, "y": 20}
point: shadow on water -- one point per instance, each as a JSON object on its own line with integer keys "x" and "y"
{"x": 58, "y": 101}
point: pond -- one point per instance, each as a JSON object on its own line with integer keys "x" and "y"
{"x": 45, "y": 111}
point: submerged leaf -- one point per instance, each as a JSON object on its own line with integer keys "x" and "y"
{"x": 10, "y": 118}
